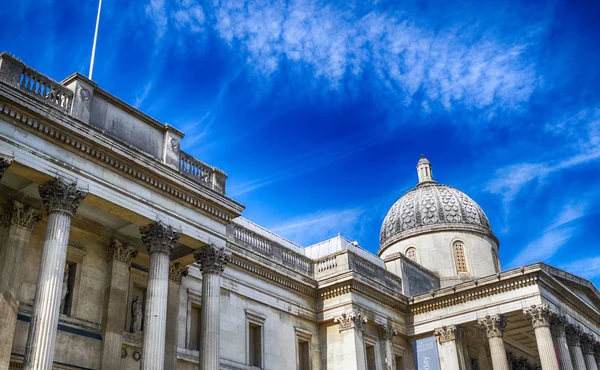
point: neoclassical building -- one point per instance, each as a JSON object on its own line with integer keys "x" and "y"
{"x": 120, "y": 251}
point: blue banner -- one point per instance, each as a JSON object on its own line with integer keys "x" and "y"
{"x": 426, "y": 354}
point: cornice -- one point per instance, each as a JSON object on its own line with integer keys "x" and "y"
{"x": 353, "y": 286}
{"x": 117, "y": 162}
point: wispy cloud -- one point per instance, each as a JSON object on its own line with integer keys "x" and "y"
{"x": 588, "y": 268}
{"x": 142, "y": 95}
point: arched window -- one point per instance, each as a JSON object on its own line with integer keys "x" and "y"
{"x": 411, "y": 253}
{"x": 459, "y": 256}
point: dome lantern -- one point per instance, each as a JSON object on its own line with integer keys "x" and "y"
{"x": 424, "y": 170}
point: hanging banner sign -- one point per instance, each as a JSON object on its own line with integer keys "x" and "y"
{"x": 426, "y": 354}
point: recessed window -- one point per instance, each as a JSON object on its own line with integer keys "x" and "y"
{"x": 303, "y": 338}
{"x": 255, "y": 345}
{"x": 371, "y": 365}
{"x": 411, "y": 253}
{"x": 459, "y": 256}
{"x": 194, "y": 322}
{"x": 399, "y": 364}
{"x": 68, "y": 288}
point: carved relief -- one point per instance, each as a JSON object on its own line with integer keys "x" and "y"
{"x": 351, "y": 320}
{"x": 121, "y": 252}
{"x": 158, "y": 237}
{"x": 5, "y": 162}
{"x": 58, "y": 195}
{"x": 538, "y": 315}
{"x": 493, "y": 325}
{"x": 212, "y": 258}
{"x": 387, "y": 332}
{"x": 447, "y": 333}
{"x": 177, "y": 272}
{"x": 22, "y": 215}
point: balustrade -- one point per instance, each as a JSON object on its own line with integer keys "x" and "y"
{"x": 201, "y": 173}
{"x": 45, "y": 89}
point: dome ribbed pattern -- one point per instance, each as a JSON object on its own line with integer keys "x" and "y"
{"x": 430, "y": 203}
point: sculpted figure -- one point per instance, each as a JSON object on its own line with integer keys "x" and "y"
{"x": 65, "y": 289}
{"x": 136, "y": 316}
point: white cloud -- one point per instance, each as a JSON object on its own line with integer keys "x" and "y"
{"x": 142, "y": 95}
{"x": 588, "y": 268}
{"x": 544, "y": 247}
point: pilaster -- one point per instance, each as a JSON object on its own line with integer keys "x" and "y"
{"x": 539, "y": 316}
{"x": 212, "y": 261}
{"x": 450, "y": 348}
{"x": 557, "y": 328}
{"x": 13, "y": 253}
{"x": 176, "y": 274}
{"x": 494, "y": 327}
{"x": 61, "y": 199}
{"x": 387, "y": 332}
{"x": 114, "y": 312}
{"x": 351, "y": 325}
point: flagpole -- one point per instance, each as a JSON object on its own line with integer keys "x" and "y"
{"x": 95, "y": 38}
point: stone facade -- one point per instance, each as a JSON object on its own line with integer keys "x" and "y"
{"x": 120, "y": 251}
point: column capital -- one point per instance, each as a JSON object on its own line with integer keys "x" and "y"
{"x": 573, "y": 334}
{"x": 5, "y": 162}
{"x": 351, "y": 320}
{"x": 538, "y": 315}
{"x": 59, "y": 195}
{"x": 587, "y": 344}
{"x": 448, "y": 333}
{"x": 159, "y": 237}
{"x": 387, "y": 332}
{"x": 597, "y": 350}
{"x": 212, "y": 259}
{"x": 119, "y": 251}
{"x": 557, "y": 324}
{"x": 177, "y": 272}
{"x": 493, "y": 325}
{"x": 23, "y": 215}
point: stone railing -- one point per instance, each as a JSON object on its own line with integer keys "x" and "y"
{"x": 202, "y": 173}
{"x": 271, "y": 249}
{"x": 16, "y": 74}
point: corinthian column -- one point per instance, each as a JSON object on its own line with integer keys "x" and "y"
{"x": 5, "y": 162}
{"x": 176, "y": 274}
{"x": 17, "y": 233}
{"x": 557, "y": 327}
{"x": 114, "y": 312}
{"x": 573, "y": 334}
{"x": 539, "y": 316}
{"x": 587, "y": 347}
{"x": 61, "y": 200}
{"x": 387, "y": 333}
{"x": 597, "y": 354}
{"x": 450, "y": 347}
{"x": 351, "y": 326}
{"x": 159, "y": 239}
{"x": 494, "y": 328}
{"x": 212, "y": 261}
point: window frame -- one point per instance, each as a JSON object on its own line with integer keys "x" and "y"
{"x": 258, "y": 319}
{"x": 464, "y": 255}
{"x": 306, "y": 337}
{"x": 194, "y": 298}
{"x": 417, "y": 259}
{"x": 75, "y": 256}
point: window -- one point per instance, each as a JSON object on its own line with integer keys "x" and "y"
{"x": 399, "y": 364}
{"x": 459, "y": 256}
{"x": 255, "y": 347}
{"x": 411, "y": 253}
{"x": 371, "y": 365}
{"x": 194, "y": 323}
{"x": 303, "y": 348}
{"x": 68, "y": 288}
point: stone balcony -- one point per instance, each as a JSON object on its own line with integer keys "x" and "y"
{"x": 83, "y": 100}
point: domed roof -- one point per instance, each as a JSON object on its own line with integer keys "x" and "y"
{"x": 431, "y": 206}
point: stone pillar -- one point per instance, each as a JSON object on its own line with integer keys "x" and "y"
{"x": 159, "y": 239}
{"x": 573, "y": 334}
{"x": 387, "y": 333}
{"x": 18, "y": 226}
{"x": 5, "y": 162}
{"x": 539, "y": 316}
{"x": 587, "y": 348}
{"x": 557, "y": 327}
{"x": 351, "y": 326}
{"x": 494, "y": 328}
{"x": 212, "y": 261}
{"x": 114, "y": 312}
{"x": 449, "y": 340}
{"x": 176, "y": 274}
{"x": 61, "y": 200}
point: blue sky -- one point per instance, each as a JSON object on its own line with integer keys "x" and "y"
{"x": 318, "y": 111}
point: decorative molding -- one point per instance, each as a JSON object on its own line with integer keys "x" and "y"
{"x": 59, "y": 195}
{"x": 303, "y": 334}
{"x": 538, "y": 315}
{"x": 86, "y": 150}
{"x": 557, "y": 324}
{"x": 573, "y": 334}
{"x": 119, "y": 251}
{"x": 23, "y": 215}
{"x": 493, "y": 325}
{"x": 212, "y": 259}
{"x": 177, "y": 272}
{"x": 159, "y": 238}
{"x": 447, "y": 333}
{"x": 5, "y": 162}
{"x": 368, "y": 291}
{"x": 351, "y": 320}
{"x": 255, "y": 317}
{"x": 387, "y": 332}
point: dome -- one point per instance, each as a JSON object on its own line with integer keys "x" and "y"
{"x": 432, "y": 206}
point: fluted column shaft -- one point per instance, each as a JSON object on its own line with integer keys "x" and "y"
{"x": 61, "y": 200}
{"x": 159, "y": 240}
{"x": 573, "y": 334}
{"x": 212, "y": 261}
{"x": 557, "y": 327}
{"x": 12, "y": 259}
{"x": 494, "y": 328}
{"x": 176, "y": 274}
{"x": 539, "y": 316}
{"x": 587, "y": 348}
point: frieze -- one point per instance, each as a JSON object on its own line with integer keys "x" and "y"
{"x": 23, "y": 215}
{"x": 107, "y": 159}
